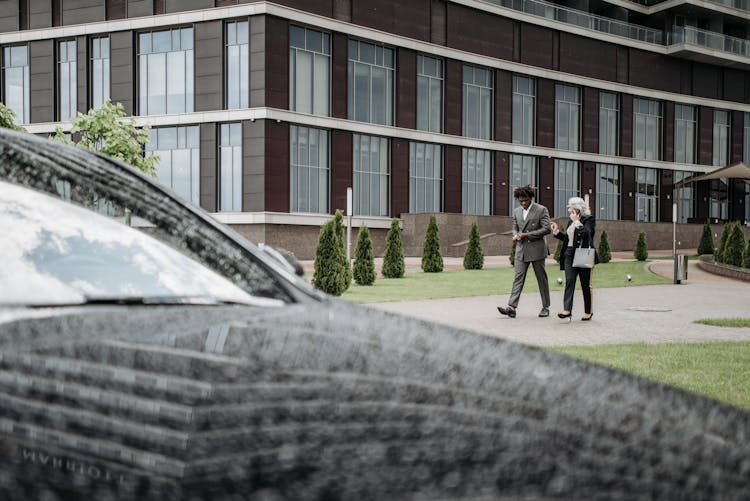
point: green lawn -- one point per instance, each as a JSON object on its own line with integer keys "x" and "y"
{"x": 717, "y": 370}
{"x": 489, "y": 281}
{"x": 725, "y": 322}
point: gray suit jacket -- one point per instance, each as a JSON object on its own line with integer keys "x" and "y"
{"x": 534, "y": 247}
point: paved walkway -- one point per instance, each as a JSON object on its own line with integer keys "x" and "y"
{"x": 650, "y": 314}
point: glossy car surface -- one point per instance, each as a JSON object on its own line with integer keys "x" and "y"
{"x": 267, "y": 393}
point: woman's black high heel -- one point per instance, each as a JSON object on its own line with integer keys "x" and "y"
{"x": 565, "y": 315}
{"x": 586, "y": 319}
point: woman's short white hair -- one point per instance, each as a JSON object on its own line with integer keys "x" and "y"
{"x": 580, "y": 205}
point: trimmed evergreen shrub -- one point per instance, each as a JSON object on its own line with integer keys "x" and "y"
{"x": 332, "y": 274}
{"x": 605, "y": 253}
{"x": 719, "y": 256}
{"x": 734, "y": 250}
{"x": 432, "y": 260}
{"x": 513, "y": 253}
{"x": 474, "y": 257}
{"x": 364, "y": 259}
{"x": 746, "y": 258}
{"x": 558, "y": 248}
{"x": 338, "y": 223}
{"x": 706, "y": 245}
{"x": 641, "y": 249}
{"x": 393, "y": 260}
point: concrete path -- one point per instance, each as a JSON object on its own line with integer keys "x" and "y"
{"x": 650, "y": 314}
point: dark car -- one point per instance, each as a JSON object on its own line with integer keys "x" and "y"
{"x": 179, "y": 368}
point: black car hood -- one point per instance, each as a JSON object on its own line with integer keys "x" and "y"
{"x": 337, "y": 402}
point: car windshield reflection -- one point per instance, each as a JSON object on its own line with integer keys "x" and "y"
{"x": 57, "y": 253}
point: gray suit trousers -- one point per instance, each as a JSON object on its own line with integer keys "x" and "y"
{"x": 521, "y": 267}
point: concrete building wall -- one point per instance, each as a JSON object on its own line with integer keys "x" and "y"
{"x": 42, "y": 80}
{"x": 9, "y": 16}
{"x": 82, "y": 11}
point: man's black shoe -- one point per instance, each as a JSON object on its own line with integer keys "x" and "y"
{"x": 544, "y": 312}
{"x": 507, "y": 310}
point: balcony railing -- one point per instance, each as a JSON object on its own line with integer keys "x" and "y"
{"x": 583, "y": 20}
{"x": 687, "y": 35}
{"x": 709, "y": 40}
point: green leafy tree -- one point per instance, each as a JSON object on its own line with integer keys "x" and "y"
{"x": 735, "y": 246}
{"x": 8, "y": 118}
{"x": 706, "y": 245}
{"x": 393, "y": 260}
{"x": 605, "y": 253}
{"x": 432, "y": 259}
{"x": 641, "y": 249}
{"x": 106, "y": 131}
{"x": 513, "y": 253}
{"x": 364, "y": 259}
{"x": 559, "y": 246}
{"x": 474, "y": 257}
{"x": 332, "y": 274}
{"x": 746, "y": 257}
{"x": 719, "y": 255}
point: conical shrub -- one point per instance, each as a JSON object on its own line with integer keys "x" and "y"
{"x": 332, "y": 274}
{"x": 604, "y": 251}
{"x": 746, "y": 258}
{"x": 364, "y": 259}
{"x": 706, "y": 245}
{"x": 474, "y": 257}
{"x": 338, "y": 223}
{"x": 513, "y": 253}
{"x": 393, "y": 260}
{"x": 432, "y": 259}
{"x": 735, "y": 246}
{"x": 641, "y": 249}
{"x": 719, "y": 256}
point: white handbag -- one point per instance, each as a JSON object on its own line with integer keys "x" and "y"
{"x": 584, "y": 257}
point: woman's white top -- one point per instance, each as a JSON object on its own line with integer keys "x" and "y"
{"x": 572, "y": 230}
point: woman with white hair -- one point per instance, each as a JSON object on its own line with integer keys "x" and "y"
{"x": 580, "y": 233}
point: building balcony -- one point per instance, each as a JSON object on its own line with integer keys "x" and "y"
{"x": 686, "y": 42}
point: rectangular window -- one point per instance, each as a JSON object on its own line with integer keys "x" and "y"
{"x": 309, "y": 71}
{"x": 429, "y": 94}
{"x": 566, "y": 185}
{"x": 237, "y": 62}
{"x": 309, "y": 169}
{"x": 371, "y": 83}
{"x": 646, "y": 194}
{"x": 178, "y": 167}
{"x": 567, "y": 117}
{"x": 425, "y": 177}
{"x": 684, "y": 197}
{"x": 477, "y": 102}
{"x": 16, "y": 81}
{"x": 371, "y": 175}
{"x": 607, "y": 191}
{"x": 609, "y": 119}
{"x": 718, "y": 196}
{"x": 165, "y": 60}
{"x": 747, "y": 203}
{"x": 524, "y": 103}
{"x": 99, "y": 71}
{"x": 230, "y": 167}
{"x": 476, "y": 175}
{"x": 523, "y": 172}
{"x": 685, "y": 128}
{"x": 647, "y": 117}
{"x": 67, "y": 86}
{"x": 746, "y": 139}
{"x": 722, "y": 132}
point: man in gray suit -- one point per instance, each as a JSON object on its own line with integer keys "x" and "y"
{"x": 530, "y": 225}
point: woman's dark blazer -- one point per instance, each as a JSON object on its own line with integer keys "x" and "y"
{"x": 583, "y": 236}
